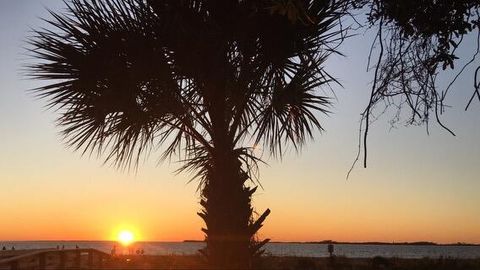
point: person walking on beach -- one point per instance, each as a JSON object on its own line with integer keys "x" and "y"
{"x": 330, "y": 250}
{"x": 114, "y": 250}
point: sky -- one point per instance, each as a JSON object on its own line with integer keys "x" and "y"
{"x": 417, "y": 187}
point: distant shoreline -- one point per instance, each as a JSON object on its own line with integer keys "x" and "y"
{"x": 419, "y": 243}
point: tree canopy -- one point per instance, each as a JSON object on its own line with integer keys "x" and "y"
{"x": 208, "y": 80}
{"x": 205, "y": 80}
{"x": 415, "y": 43}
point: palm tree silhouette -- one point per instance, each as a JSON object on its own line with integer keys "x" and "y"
{"x": 206, "y": 80}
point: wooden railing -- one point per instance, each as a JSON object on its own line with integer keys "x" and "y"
{"x": 41, "y": 259}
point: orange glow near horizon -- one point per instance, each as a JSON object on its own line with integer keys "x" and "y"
{"x": 165, "y": 210}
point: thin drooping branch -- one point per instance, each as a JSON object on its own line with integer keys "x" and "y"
{"x": 366, "y": 114}
{"x": 415, "y": 51}
{"x": 476, "y": 85}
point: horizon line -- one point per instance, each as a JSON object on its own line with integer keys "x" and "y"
{"x": 298, "y": 242}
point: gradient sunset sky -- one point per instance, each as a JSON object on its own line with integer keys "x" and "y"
{"x": 417, "y": 187}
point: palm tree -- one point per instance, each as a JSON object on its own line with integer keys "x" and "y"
{"x": 207, "y": 80}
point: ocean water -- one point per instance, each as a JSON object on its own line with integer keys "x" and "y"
{"x": 277, "y": 249}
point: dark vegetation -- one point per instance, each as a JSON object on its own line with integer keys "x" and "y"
{"x": 209, "y": 81}
{"x": 419, "y": 243}
{"x": 301, "y": 263}
{"x": 343, "y": 263}
{"x": 416, "y": 42}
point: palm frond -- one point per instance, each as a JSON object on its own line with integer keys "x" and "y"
{"x": 115, "y": 83}
{"x": 130, "y": 75}
{"x": 288, "y": 114}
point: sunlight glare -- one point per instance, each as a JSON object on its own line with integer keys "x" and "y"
{"x": 125, "y": 237}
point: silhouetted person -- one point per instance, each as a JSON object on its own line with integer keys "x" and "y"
{"x": 114, "y": 250}
{"x": 76, "y": 246}
{"x": 330, "y": 249}
{"x": 58, "y": 247}
{"x": 13, "y": 248}
{"x": 4, "y": 248}
{"x": 63, "y": 246}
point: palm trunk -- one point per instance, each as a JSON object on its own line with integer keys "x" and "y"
{"x": 226, "y": 200}
{"x": 227, "y": 213}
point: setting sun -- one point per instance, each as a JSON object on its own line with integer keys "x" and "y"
{"x": 125, "y": 237}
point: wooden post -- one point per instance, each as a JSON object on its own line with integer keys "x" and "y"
{"x": 62, "y": 259}
{"x": 14, "y": 265}
{"x": 100, "y": 260}
{"x": 78, "y": 259}
{"x": 90, "y": 258}
{"x": 41, "y": 260}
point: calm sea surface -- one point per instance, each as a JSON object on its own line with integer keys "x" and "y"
{"x": 278, "y": 249}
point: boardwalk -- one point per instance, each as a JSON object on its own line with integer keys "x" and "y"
{"x": 52, "y": 259}
{"x": 49, "y": 259}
